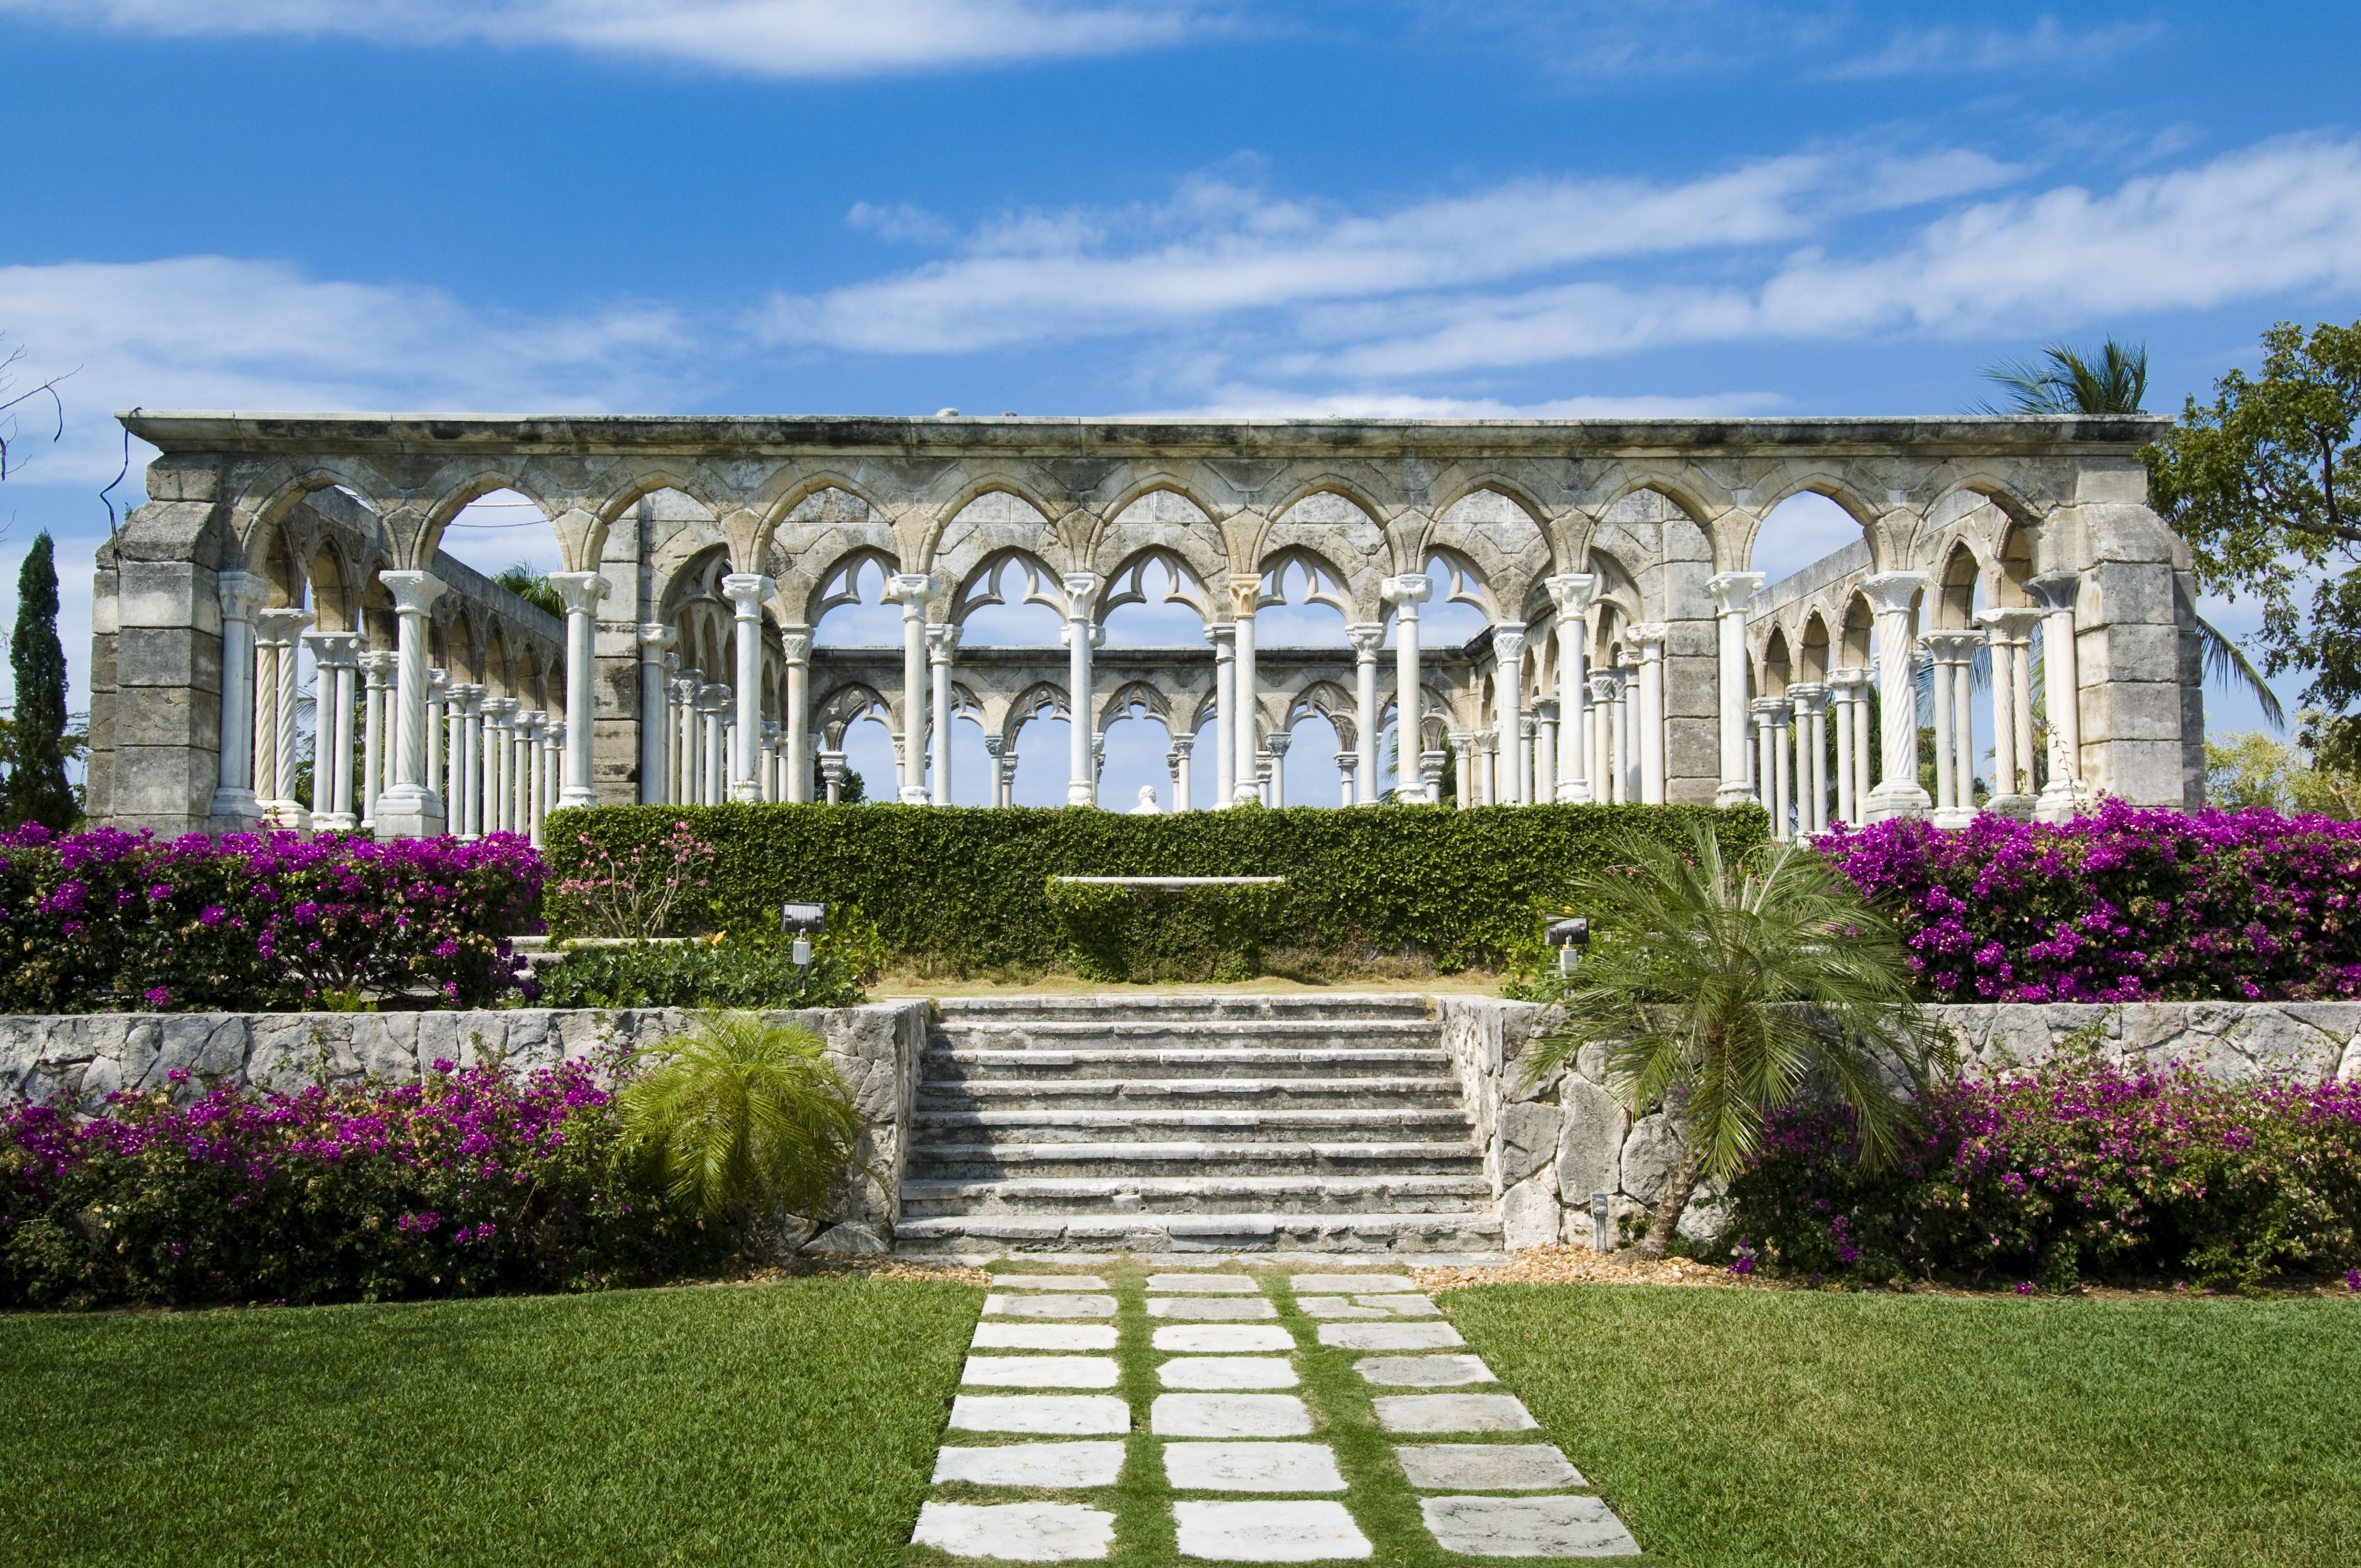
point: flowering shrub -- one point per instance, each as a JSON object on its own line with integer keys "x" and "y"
{"x": 2076, "y": 1168}
{"x": 2125, "y": 905}
{"x": 113, "y": 921}
{"x": 634, "y": 892}
{"x": 471, "y": 1182}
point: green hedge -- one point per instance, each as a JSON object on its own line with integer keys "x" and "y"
{"x": 969, "y": 885}
{"x": 1151, "y": 934}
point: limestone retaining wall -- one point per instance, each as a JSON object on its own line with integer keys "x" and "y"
{"x": 83, "y": 1057}
{"x": 1548, "y": 1146}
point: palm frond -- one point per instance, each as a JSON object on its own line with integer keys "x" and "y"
{"x": 2065, "y": 380}
{"x": 2226, "y": 662}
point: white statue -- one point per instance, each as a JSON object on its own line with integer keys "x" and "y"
{"x": 1146, "y": 806}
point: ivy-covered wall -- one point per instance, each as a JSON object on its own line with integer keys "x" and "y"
{"x": 970, "y": 886}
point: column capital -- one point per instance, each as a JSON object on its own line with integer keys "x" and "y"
{"x": 1770, "y": 710}
{"x": 1572, "y": 592}
{"x": 471, "y": 699}
{"x": 655, "y": 641}
{"x": 1224, "y": 638}
{"x": 529, "y": 723}
{"x": 1606, "y": 685}
{"x": 911, "y": 590}
{"x": 713, "y": 697}
{"x": 1528, "y": 725}
{"x": 241, "y": 593}
{"x": 686, "y": 689}
{"x": 555, "y": 730}
{"x": 1278, "y": 742}
{"x": 941, "y": 639}
{"x": 796, "y": 643}
{"x": 414, "y": 593}
{"x": 281, "y": 625}
{"x": 2056, "y": 591}
{"x": 1365, "y": 638}
{"x": 1650, "y": 637}
{"x": 1508, "y": 639}
{"x": 500, "y": 712}
{"x": 582, "y": 590}
{"x": 994, "y": 745}
{"x": 746, "y": 591}
{"x": 377, "y": 669}
{"x": 1953, "y": 646}
{"x": 1849, "y": 678}
{"x": 1809, "y": 696}
{"x": 1890, "y": 593}
{"x": 1408, "y": 591}
{"x": 1082, "y": 590}
{"x": 1730, "y": 590}
{"x": 2010, "y": 625}
{"x": 1246, "y": 595}
{"x": 335, "y": 650}
{"x": 1184, "y": 744}
{"x": 438, "y": 684}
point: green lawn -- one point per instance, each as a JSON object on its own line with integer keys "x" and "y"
{"x": 790, "y": 1424}
{"x": 1787, "y": 1429}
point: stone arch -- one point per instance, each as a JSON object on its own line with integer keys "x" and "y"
{"x": 1772, "y": 680}
{"x": 845, "y": 706}
{"x": 457, "y": 496}
{"x": 1323, "y": 583}
{"x": 1163, "y": 518}
{"x": 1333, "y": 703}
{"x": 1955, "y": 589}
{"x": 1335, "y": 526}
{"x": 1853, "y": 636}
{"x": 838, "y": 582}
{"x": 1812, "y": 649}
{"x": 1040, "y": 698}
{"x": 998, "y": 520}
{"x": 1140, "y": 694}
{"x": 1737, "y": 533}
{"x": 1498, "y": 532}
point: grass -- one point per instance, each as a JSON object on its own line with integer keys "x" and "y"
{"x": 1805, "y": 1428}
{"x": 788, "y": 1423}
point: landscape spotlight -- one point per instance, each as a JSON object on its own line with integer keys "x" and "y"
{"x": 804, "y": 921}
{"x": 1566, "y": 936}
{"x": 1600, "y": 1203}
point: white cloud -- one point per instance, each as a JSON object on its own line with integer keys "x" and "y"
{"x": 2045, "y": 44}
{"x": 785, "y": 39}
{"x": 900, "y": 224}
{"x": 215, "y": 331}
{"x": 1218, "y": 249}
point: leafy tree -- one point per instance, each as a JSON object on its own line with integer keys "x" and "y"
{"x": 37, "y": 790}
{"x": 531, "y": 587}
{"x": 2065, "y": 380}
{"x": 743, "y": 1119}
{"x": 2265, "y": 485}
{"x": 2253, "y": 770}
{"x": 1723, "y": 990}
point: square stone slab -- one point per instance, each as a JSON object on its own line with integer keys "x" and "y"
{"x": 998, "y": 1306}
{"x": 1017, "y": 1533}
{"x": 1204, "y": 1284}
{"x": 1269, "y": 1532}
{"x": 1039, "y": 1465}
{"x": 1227, "y": 1337}
{"x": 1227, "y": 1372}
{"x": 1453, "y": 1413}
{"x": 1060, "y": 1336}
{"x": 1348, "y": 1284}
{"x": 1528, "y": 1527}
{"x": 1486, "y": 1466}
{"x": 1380, "y": 1336}
{"x": 1048, "y": 1282}
{"x": 1061, "y": 1415}
{"x": 1215, "y": 1308}
{"x": 1042, "y": 1371}
{"x": 1229, "y": 1415}
{"x": 1392, "y": 1371}
{"x": 1251, "y": 1467}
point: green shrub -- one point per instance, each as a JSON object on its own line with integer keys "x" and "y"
{"x": 1119, "y": 933}
{"x": 700, "y": 974}
{"x": 969, "y": 886}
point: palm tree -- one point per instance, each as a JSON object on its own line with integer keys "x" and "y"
{"x": 743, "y": 1119}
{"x": 1723, "y": 990}
{"x": 2064, "y": 380}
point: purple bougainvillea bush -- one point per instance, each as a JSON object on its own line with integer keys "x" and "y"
{"x": 110, "y": 921}
{"x": 472, "y": 1182}
{"x": 2074, "y": 1170}
{"x": 2124, "y": 904}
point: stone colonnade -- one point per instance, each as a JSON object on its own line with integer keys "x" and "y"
{"x": 1628, "y": 650}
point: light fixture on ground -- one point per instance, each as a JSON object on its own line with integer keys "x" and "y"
{"x": 1568, "y": 937}
{"x": 802, "y": 921}
{"x": 1600, "y": 1240}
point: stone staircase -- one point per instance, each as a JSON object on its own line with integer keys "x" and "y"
{"x": 1316, "y": 1123}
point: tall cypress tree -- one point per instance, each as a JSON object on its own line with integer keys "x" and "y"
{"x": 37, "y": 790}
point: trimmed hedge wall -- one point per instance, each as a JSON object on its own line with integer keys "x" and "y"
{"x": 969, "y": 885}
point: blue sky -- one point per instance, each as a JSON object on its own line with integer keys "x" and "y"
{"x": 1119, "y": 206}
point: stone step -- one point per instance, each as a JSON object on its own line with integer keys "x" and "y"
{"x": 1093, "y": 1093}
{"x": 985, "y": 1161}
{"x": 1356, "y": 1123}
{"x": 1187, "y": 1195}
{"x": 1118, "y": 1063}
{"x": 1146, "y": 1034}
{"x": 1238, "y": 1231}
{"x": 1180, "y": 1006}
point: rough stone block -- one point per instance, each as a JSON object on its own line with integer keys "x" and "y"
{"x": 1020, "y": 1532}
{"x": 1649, "y": 1156}
{"x": 1251, "y": 1467}
{"x": 1590, "y": 1144}
{"x": 1530, "y": 1212}
{"x": 1052, "y": 1465}
{"x": 1528, "y": 1140}
{"x": 1528, "y": 1527}
{"x": 1486, "y": 1466}
{"x": 1267, "y": 1533}
{"x": 1367, "y": 1306}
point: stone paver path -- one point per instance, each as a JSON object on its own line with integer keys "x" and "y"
{"x": 1202, "y": 1393}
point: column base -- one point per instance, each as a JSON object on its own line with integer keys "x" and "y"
{"x": 2016, "y": 807}
{"x": 1950, "y": 816}
{"x": 287, "y": 815}
{"x": 334, "y": 822}
{"x": 745, "y": 792}
{"x": 1729, "y": 794}
{"x": 1076, "y": 795}
{"x": 234, "y": 811}
{"x": 572, "y": 798}
{"x": 2058, "y": 802}
{"x": 406, "y": 811}
{"x": 912, "y": 796}
{"x": 1891, "y": 800}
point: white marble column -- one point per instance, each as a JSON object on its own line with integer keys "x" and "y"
{"x": 468, "y": 800}
{"x": 2063, "y": 796}
{"x": 1572, "y": 593}
{"x": 2010, "y": 644}
{"x": 995, "y": 748}
{"x": 1897, "y": 793}
{"x": 832, "y": 775}
{"x": 1601, "y": 738}
{"x": 1783, "y": 766}
{"x": 532, "y": 776}
{"x": 1938, "y": 658}
{"x": 1545, "y": 750}
{"x": 1954, "y": 727}
{"x": 687, "y": 756}
{"x": 713, "y": 702}
{"x": 1246, "y": 595}
{"x": 582, "y": 590}
{"x": 411, "y": 808}
{"x": 1509, "y": 686}
{"x": 767, "y": 776}
{"x": 1811, "y": 701}
{"x": 1462, "y": 751}
{"x": 746, "y": 591}
{"x": 1277, "y": 744}
{"x": 234, "y": 805}
{"x": 796, "y": 643}
{"x": 1226, "y": 718}
{"x": 499, "y": 756}
{"x": 1406, "y": 593}
{"x": 277, "y": 634}
{"x": 911, "y": 590}
{"x": 1347, "y": 764}
{"x": 336, "y": 655}
{"x": 1651, "y": 639}
{"x": 1864, "y": 743}
{"x": 1368, "y": 638}
{"x": 656, "y": 714}
{"x": 1082, "y": 736}
{"x": 1523, "y": 765}
{"x": 1176, "y": 758}
{"x": 438, "y": 730}
{"x": 553, "y": 772}
{"x": 377, "y": 678}
{"x": 942, "y": 641}
{"x": 1730, "y": 592}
